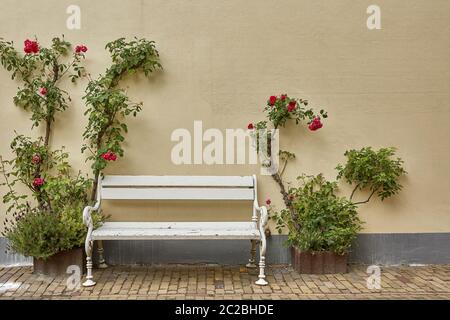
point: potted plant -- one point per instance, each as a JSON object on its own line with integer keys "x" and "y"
{"x": 322, "y": 229}
{"x": 323, "y": 226}
{"x": 46, "y": 223}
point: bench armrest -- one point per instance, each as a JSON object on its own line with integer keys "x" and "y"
{"x": 263, "y": 217}
{"x": 87, "y": 219}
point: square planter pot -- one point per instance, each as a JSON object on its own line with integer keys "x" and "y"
{"x": 322, "y": 262}
{"x": 57, "y": 264}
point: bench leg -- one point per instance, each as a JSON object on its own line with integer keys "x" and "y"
{"x": 89, "y": 278}
{"x": 251, "y": 261}
{"x": 101, "y": 260}
{"x": 262, "y": 262}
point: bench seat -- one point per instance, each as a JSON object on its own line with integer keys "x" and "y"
{"x": 176, "y": 231}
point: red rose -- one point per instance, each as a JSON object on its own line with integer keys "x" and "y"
{"x": 291, "y": 106}
{"x": 31, "y": 46}
{"x": 250, "y": 126}
{"x": 37, "y": 182}
{"x": 272, "y": 100}
{"x": 36, "y": 159}
{"x": 43, "y": 91}
{"x": 27, "y": 46}
{"x": 268, "y": 202}
{"x": 80, "y": 48}
{"x": 283, "y": 97}
{"x": 109, "y": 156}
{"x": 35, "y": 47}
{"x": 316, "y": 124}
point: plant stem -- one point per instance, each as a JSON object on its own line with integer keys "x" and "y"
{"x": 284, "y": 167}
{"x": 65, "y": 71}
{"x": 48, "y": 127}
{"x": 97, "y": 172}
{"x": 286, "y": 199}
{"x": 94, "y": 186}
{"x": 43, "y": 197}
{"x": 98, "y": 145}
{"x": 353, "y": 192}
{"x": 48, "y": 120}
{"x": 368, "y": 199}
{"x": 114, "y": 82}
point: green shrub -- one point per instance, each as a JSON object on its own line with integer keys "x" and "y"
{"x": 56, "y": 223}
{"x": 36, "y": 234}
{"x": 376, "y": 171}
{"x": 321, "y": 220}
{"x": 41, "y": 234}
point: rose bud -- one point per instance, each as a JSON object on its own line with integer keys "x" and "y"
{"x": 37, "y": 182}
{"x": 36, "y": 159}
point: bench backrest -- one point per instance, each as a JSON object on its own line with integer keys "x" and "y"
{"x": 177, "y": 187}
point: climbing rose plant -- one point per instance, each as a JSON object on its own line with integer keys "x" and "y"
{"x": 315, "y": 217}
{"x": 279, "y": 111}
{"x": 108, "y": 104}
{"x": 46, "y": 219}
{"x": 54, "y": 223}
{"x": 41, "y": 71}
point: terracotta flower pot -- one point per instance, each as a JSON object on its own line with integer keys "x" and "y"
{"x": 322, "y": 262}
{"x": 57, "y": 264}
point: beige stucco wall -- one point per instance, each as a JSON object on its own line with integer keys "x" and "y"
{"x": 386, "y": 87}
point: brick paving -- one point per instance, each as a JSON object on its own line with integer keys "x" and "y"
{"x": 204, "y": 281}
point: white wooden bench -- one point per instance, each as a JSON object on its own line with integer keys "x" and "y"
{"x": 178, "y": 188}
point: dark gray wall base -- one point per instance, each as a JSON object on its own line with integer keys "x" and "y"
{"x": 380, "y": 248}
{"x": 402, "y": 248}
{"x": 11, "y": 258}
{"x": 385, "y": 249}
{"x": 192, "y": 251}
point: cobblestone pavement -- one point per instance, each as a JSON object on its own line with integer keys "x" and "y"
{"x": 229, "y": 282}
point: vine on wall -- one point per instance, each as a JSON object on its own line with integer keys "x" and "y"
{"x": 108, "y": 105}
{"x": 48, "y": 219}
{"x": 281, "y": 110}
{"x": 41, "y": 71}
{"x": 42, "y": 221}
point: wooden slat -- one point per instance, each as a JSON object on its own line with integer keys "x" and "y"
{"x": 175, "y": 230}
{"x": 177, "y": 194}
{"x": 178, "y": 181}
